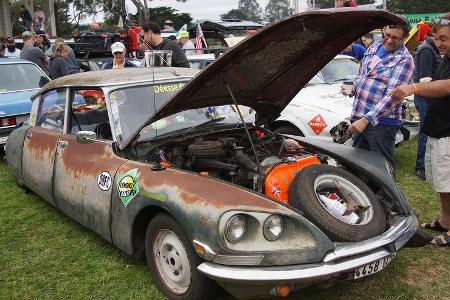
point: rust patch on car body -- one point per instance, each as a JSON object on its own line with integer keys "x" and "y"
{"x": 43, "y": 144}
{"x": 195, "y": 189}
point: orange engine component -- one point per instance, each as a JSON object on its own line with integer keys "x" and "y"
{"x": 280, "y": 177}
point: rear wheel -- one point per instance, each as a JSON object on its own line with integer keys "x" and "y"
{"x": 173, "y": 262}
{"x": 318, "y": 180}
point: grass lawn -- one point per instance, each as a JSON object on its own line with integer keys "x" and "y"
{"x": 45, "y": 255}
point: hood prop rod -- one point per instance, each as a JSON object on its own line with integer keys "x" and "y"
{"x": 260, "y": 172}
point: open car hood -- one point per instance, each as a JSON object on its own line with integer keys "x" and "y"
{"x": 267, "y": 70}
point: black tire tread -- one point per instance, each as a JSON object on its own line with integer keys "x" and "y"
{"x": 303, "y": 197}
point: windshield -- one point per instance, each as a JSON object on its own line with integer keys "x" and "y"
{"x": 340, "y": 69}
{"x": 17, "y": 77}
{"x": 190, "y": 120}
{"x": 132, "y": 107}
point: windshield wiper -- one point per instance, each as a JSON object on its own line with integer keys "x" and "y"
{"x": 342, "y": 79}
{"x": 212, "y": 121}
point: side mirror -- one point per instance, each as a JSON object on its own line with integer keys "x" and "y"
{"x": 85, "y": 137}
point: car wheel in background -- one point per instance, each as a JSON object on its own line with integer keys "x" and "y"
{"x": 173, "y": 262}
{"x": 314, "y": 182}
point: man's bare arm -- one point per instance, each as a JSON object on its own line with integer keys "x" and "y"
{"x": 434, "y": 89}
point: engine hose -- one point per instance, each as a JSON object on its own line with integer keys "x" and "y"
{"x": 245, "y": 162}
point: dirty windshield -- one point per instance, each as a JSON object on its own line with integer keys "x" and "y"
{"x": 132, "y": 107}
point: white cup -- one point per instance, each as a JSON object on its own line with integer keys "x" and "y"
{"x": 425, "y": 79}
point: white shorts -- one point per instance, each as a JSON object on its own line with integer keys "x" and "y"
{"x": 437, "y": 163}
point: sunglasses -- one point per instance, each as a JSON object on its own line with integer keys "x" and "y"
{"x": 443, "y": 22}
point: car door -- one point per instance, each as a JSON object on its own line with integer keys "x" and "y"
{"x": 84, "y": 172}
{"x": 39, "y": 148}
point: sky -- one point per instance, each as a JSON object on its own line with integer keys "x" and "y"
{"x": 201, "y": 9}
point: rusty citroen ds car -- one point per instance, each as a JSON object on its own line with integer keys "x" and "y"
{"x": 179, "y": 167}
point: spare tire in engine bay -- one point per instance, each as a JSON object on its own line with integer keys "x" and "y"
{"x": 280, "y": 175}
{"x": 338, "y": 202}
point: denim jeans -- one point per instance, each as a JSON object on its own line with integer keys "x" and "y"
{"x": 421, "y": 106}
{"x": 380, "y": 139}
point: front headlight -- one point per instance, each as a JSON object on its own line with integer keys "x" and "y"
{"x": 273, "y": 227}
{"x": 235, "y": 228}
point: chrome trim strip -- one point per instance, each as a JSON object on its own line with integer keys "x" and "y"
{"x": 238, "y": 260}
{"x": 297, "y": 273}
{"x": 25, "y": 90}
{"x": 393, "y": 233}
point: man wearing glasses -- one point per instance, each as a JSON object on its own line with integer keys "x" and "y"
{"x": 376, "y": 116}
{"x": 437, "y": 127}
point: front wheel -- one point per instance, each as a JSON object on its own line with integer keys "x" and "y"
{"x": 173, "y": 262}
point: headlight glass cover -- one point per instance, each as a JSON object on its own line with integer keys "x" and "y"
{"x": 273, "y": 227}
{"x": 236, "y": 228}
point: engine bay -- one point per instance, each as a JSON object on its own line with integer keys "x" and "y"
{"x": 230, "y": 156}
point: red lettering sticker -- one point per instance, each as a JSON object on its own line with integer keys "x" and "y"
{"x": 317, "y": 124}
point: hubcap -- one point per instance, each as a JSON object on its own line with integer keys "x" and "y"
{"x": 324, "y": 183}
{"x": 172, "y": 261}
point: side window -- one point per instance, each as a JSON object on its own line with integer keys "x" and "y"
{"x": 89, "y": 113}
{"x": 51, "y": 110}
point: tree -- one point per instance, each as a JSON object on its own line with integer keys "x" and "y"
{"x": 277, "y": 10}
{"x": 330, "y": 3}
{"x": 251, "y": 9}
{"x": 113, "y": 10}
{"x": 418, "y": 7}
{"x": 162, "y": 13}
{"x": 235, "y": 14}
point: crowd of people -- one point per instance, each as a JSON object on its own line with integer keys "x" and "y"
{"x": 59, "y": 59}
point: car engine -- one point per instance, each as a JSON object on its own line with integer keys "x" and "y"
{"x": 232, "y": 159}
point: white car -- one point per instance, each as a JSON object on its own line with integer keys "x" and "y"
{"x": 319, "y": 106}
{"x": 200, "y": 61}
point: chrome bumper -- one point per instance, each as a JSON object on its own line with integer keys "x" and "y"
{"x": 250, "y": 282}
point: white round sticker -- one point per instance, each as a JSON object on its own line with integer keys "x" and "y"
{"x": 104, "y": 181}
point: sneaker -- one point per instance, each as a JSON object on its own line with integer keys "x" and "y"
{"x": 421, "y": 174}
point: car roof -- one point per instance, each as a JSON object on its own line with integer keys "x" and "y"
{"x": 120, "y": 77}
{"x": 205, "y": 57}
{"x": 12, "y": 60}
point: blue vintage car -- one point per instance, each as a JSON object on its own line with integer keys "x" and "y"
{"x": 20, "y": 79}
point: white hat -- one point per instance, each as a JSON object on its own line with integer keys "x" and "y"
{"x": 117, "y": 47}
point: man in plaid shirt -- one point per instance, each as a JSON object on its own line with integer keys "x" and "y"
{"x": 377, "y": 116}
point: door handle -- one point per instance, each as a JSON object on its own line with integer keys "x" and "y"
{"x": 62, "y": 144}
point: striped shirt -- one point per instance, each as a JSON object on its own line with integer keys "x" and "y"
{"x": 377, "y": 76}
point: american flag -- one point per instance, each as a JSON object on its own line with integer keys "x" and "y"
{"x": 199, "y": 37}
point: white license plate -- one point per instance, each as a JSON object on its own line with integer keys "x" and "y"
{"x": 372, "y": 268}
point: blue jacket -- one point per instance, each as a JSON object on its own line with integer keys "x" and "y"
{"x": 109, "y": 65}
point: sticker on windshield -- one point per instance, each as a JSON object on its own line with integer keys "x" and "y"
{"x": 104, "y": 181}
{"x": 168, "y": 88}
{"x": 128, "y": 186}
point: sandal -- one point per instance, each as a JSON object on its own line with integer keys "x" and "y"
{"x": 441, "y": 240}
{"x": 435, "y": 225}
